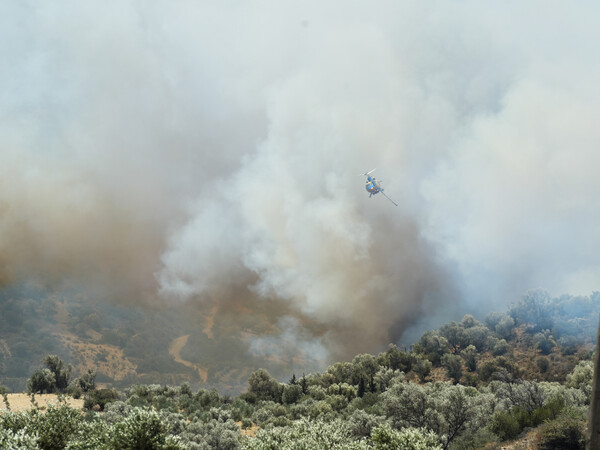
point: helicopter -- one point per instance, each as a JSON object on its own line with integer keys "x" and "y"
{"x": 373, "y": 186}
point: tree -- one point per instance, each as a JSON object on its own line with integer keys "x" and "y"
{"x": 455, "y": 335}
{"x": 361, "y": 388}
{"x": 42, "y": 381}
{"x": 543, "y": 364}
{"x": 142, "y": 429}
{"x": 363, "y": 366}
{"x": 291, "y": 394}
{"x": 470, "y": 356}
{"x": 62, "y": 375}
{"x": 396, "y": 359}
{"x": 457, "y": 409}
{"x": 264, "y": 386}
{"x": 505, "y": 327}
{"x": 453, "y": 365}
{"x": 304, "y": 384}
{"x": 469, "y": 321}
{"x": 422, "y": 367}
{"x": 581, "y": 378}
{"x": 341, "y": 372}
{"x": 567, "y": 433}
{"x": 56, "y": 426}
{"x": 87, "y": 381}
{"x": 477, "y": 335}
{"x": 432, "y": 345}
{"x": 535, "y": 308}
{"x": 410, "y": 405}
{"x": 362, "y": 423}
{"x": 544, "y": 342}
{"x": 99, "y": 398}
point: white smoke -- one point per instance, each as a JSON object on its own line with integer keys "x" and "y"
{"x": 182, "y": 148}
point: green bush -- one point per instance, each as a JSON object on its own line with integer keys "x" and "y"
{"x": 453, "y": 365}
{"x": 55, "y": 427}
{"x": 565, "y": 434}
{"x": 543, "y": 364}
{"x": 509, "y": 424}
{"x": 362, "y": 424}
{"x": 141, "y": 429}
{"x": 291, "y": 393}
{"x": 21, "y": 439}
{"x": 385, "y": 438}
{"x": 42, "y": 381}
{"x": 505, "y": 425}
{"x": 500, "y": 347}
{"x": 100, "y": 397}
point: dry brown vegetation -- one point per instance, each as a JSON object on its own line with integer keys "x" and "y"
{"x": 22, "y": 402}
{"x": 104, "y": 358}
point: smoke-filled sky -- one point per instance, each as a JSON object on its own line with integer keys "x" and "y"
{"x": 163, "y": 151}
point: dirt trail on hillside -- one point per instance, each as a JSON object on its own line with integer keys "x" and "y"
{"x": 210, "y": 322}
{"x": 175, "y": 351}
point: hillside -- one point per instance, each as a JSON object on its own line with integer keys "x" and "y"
{"x": 523, "y": 374}
{"x": 127, "y": 343}
{"x": 537, "y": 338}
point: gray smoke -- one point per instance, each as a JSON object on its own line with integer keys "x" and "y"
{"x": 169, "y": 152}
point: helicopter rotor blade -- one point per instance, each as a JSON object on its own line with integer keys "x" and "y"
{"x": 367, "y": 173}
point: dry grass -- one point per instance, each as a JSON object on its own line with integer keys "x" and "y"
{"x": 22, "y": 402}
{"x": 251, "y": 431}
{"x": 102, "y": 357}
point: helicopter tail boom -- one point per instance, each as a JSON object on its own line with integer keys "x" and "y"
{"x": 388, "y": 198}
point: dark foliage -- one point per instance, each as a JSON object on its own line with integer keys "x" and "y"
{"x": 565, "y": 434}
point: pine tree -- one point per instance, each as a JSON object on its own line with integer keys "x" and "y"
{"x": 361, "y": 387}
{"x": 304, "y": 384}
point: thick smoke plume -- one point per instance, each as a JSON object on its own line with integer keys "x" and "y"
{"x": 166, "y": 152}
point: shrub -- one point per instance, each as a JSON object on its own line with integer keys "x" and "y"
{"x": 469, "y": 354}
{"x": 505, "y": 327}
{"x": 500, "y": 347}
{"x": 453, "y": 365}
{"x": 478, "y": 336}
{"x": 362, "y": 424}
{"x": 141, "y": 429}
{"x": 305, "y": 434}
{"x": 565, "y": 433}
{"x": 62, "y": 375}
{"x": 422, "y": 367}
{"x": 42, "y": 381}
{"x": 384, "y": 438}
{"x": 55, "y": 427}
{"x": 87, "y": 381}
{"x": 397, "y": 359}
{"x": 291, "y": 393}
{"x": 264, "y": 386}
{"x": 22, "y": 439}
{"x": 432, "y": 346}
{"x": 505, "y": 425}
{"x": 544, "y": 342}
{"x": 100, "y": 397}
{"x": 543, "y": 364}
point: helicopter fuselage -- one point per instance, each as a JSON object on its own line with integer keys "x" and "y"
{"x": 372, "y": 185}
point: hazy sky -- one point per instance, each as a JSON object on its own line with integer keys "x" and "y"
{"x": 171, "y": 150}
